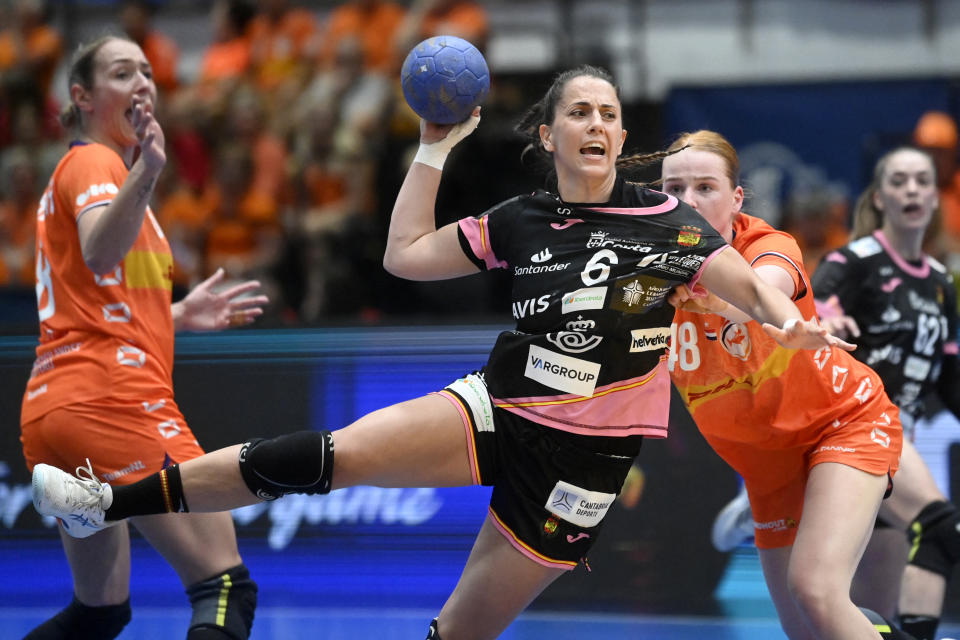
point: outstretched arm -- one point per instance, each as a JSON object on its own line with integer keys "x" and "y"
{"x": 416, "y": 249}
{"x": 730, "y": 277}
{"x": 204, "y": 309}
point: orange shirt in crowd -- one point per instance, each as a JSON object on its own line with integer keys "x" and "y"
{"x": 42, "y": 49}
{"x": 374, "y": 27}
{"x": 17, "y": 228}
{"x": 163, "y": 55}
{"x": 467, "y": 20}
{"x": 279, "y": 50}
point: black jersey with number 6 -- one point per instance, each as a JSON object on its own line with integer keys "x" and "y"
{"x": 589, "y": 284}
{"x": 907, "y": 313}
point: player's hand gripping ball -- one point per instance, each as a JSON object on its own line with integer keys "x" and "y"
{"x": 444, "y": 78}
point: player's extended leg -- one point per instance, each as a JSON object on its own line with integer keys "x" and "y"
{"x": 100, "y": 565}
{"x": 840, "y": 507}
{"x": 417, "y": 443}
{"x": 202, "y": 549}
{"x": 496, "y": 585}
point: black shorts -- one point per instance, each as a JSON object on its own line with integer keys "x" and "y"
{"x": 551, "y": 489}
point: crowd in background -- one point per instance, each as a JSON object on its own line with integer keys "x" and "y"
{"x": 287, "y": 144}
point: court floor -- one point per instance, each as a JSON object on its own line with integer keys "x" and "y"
{"x": 280, "y": 623}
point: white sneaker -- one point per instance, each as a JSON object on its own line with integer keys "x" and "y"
{"x": 78, "y": 502}
{"x": 734, "y": 524}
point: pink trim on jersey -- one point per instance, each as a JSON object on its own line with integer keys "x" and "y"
{"x": 468, "y": 427}
{"x": 917, "y": 272}
{"x": 696, "y": 277}
{"x": 951, "y": 348}
{"x": 669, "y": 205}
{"x": 836, "y": 256}
{"x": 639, "y": 406}
{"x": 520, "y": 546}
{"x": 477, "y": 233}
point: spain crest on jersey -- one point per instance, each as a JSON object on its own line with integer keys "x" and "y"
{"x": 689, "y": 236}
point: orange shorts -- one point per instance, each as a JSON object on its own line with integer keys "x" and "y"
{"x": 124, "y": 442}
{"x": 776, "y": 477}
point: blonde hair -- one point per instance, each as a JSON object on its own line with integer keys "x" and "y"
{"x": 713, "y": 142}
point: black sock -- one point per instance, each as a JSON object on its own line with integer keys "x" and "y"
{"x": 160, "y": 493}
{"x": 920, "y": 627}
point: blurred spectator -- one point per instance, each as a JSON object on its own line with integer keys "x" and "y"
{"x": 19, "y": 199}
{"x": 282, "y": 41}
{"x": 373, "y": 24}
{"x": 461, "y": 18}
{"x": 226, "y": 60}
{"x": 244, "y": 235}
{"x": 936, "y": 133}
{"x": 30, "y": 50}
{"x": 336, "y": 224}
{"x": 818, "y": 220}
{"x": 161, "y": 51}
{"x": 248, "y": 122}
{"x": 359, "y": 99}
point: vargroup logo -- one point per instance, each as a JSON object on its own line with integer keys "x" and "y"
{"x": 543, "y": 256}
{"x": 578, "y": 506}
{"x": 649, "y": 339}
{"x": 583, "y": 299}
{"x": 558, "y": 371}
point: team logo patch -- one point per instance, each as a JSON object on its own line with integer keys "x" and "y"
{"x": 689, "y": 236}
{"x": 550, "y": 526}
{"x": 735, "y": 340}
{"x": 577, "y": 505}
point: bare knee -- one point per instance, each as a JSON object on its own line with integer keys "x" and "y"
{"x": 817, "y": 597}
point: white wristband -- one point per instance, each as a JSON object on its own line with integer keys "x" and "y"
{"x": 790, "y": 323}
{"x": 432, "y": 155}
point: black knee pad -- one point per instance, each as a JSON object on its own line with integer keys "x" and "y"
{"x": 300, "y": 462}
{"x": 432, "y": 633}
{"x": 935, "y": 538}
{"x": 80, "y": 622}
{"x": 886, "y": 629}
{"x": 223, "y": 606}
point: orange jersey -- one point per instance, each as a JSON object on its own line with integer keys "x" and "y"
{"x": 100, "y": 336}
{"x": 742, "y": 386}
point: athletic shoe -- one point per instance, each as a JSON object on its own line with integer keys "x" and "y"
{"x": 734, "y": 524}
{"x": 77, "y": 502}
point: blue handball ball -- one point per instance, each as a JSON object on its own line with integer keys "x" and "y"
{"x": 444, "y": 78}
